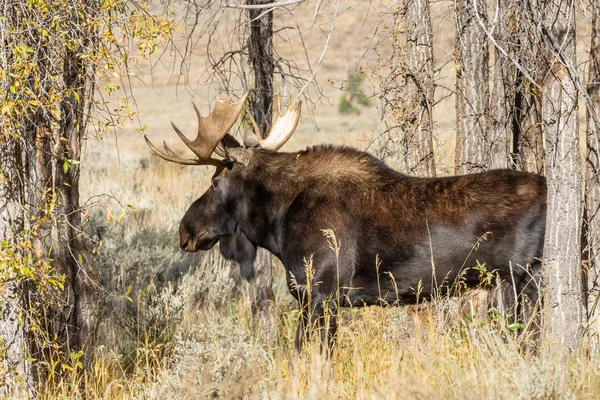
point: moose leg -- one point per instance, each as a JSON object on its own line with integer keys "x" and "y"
{"x": 303, "y": 331}
{"x": 324, "y": 318}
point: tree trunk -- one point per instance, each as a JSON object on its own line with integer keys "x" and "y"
{"x": 527, "y": 132}
{"x": 260, "y": 52}
{"x": 260, "y": 49}
{"x": 592, "y": 187}
{"x": 39, "y": 206}
{"x": 11, "y": 330}
{"x": 472, "y": 103}
{"x": 502, "y": 102}
{"x": 418, "y": 153}
{"x": 515, "y": 105}
{"x": 564, "y": 301}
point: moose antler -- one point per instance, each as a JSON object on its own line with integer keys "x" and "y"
{"x": 281, "y": 130}
{"x": 211, "y": 130}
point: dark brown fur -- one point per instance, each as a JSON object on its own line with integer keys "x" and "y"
{"x": 425, "y": 232}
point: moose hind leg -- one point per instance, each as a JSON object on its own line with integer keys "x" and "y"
{"x": 303, "y": 329}
{"x": 324, "y": 319}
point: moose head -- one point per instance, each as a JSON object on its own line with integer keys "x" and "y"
{"x": 214, "y": 215}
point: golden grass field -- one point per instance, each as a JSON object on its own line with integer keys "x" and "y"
{"x": 433, "y": 351}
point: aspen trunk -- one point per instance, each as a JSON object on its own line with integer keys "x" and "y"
{"x": 592, "y": 187}
{"x": 14, "y": 340}
{"x": 564, "y": 301}
{"x": 502, "y": 101}
{"x": 260, "y": 48}
{"x": 418, "y": 152}
{"x": 529, "y": 142}
{"x": 472, "y": 91}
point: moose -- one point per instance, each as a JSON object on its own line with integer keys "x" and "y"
{"x": 399, "y": 237}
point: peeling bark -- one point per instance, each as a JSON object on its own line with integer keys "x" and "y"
{"x": 564, "y": 303}
{"x": 472, "y": 91}
{"x": 592, "y": 188}
{"x": 418, "y": 154}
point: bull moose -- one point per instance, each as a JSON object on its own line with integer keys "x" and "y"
{"x": 396, "y": 232}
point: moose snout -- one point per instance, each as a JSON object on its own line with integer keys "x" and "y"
{"x": 185, "y": 239}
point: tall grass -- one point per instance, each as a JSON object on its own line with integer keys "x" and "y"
{"x": 400, "y": 352}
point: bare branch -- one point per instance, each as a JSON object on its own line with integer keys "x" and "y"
{"x": 262, "y": 6}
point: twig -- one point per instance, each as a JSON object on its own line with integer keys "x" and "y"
{"x": 333, "y": 21}
{"x": 504, "y": 52}
{"x": 262, "y": 6}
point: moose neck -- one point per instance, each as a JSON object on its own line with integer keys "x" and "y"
{"x": 266, "y": 194}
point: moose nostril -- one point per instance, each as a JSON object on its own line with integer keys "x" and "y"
{"x": 184, "y": 240}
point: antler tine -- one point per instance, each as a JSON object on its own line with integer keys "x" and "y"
{"x": 252, "y": 138}
{"x": 171, "y": 156}
{"x": 283, "y": 128}
{"x": 212, "y": 128}
{"x": 183, "y": 138}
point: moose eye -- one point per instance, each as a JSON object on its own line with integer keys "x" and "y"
{"x": 216, "y": 182}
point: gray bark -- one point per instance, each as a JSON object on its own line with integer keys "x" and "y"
{"x": 503, "y": 90}
{"x": 527, "y": 131}
{"x": 515, "y": 105}
{"x": 260, "y": 48}
{"x": 418, "y": 154}
{"x": 11, "y": 331}
{"x": 592, "y": 187}
{"x": 564, "y": 303}
{"x": 472, "y": 90}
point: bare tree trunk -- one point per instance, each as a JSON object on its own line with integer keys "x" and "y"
{"x": 502, "y": 101}
{"x": 70, "y": 251}
{"x": 529, "y": 143}
{"x": 515, "y": 105}
{"x": 592, "y": 187}
{"x": 565, "y": 306}
{"x": 260, "y": 52}
{"x": 418, "y": 145}
{"x": 472, "y": 91}
{"x": 260, "y": 48}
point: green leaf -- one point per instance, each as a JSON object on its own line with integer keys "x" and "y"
{"x": 66, "y": 166}
{"x": 515, "y": 326}
{"x": 25, "y": 49}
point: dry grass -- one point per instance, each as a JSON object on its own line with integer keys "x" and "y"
{"x": 394, "y": 353}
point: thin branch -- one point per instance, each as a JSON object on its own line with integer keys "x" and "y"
{"x": 504, "y": 52}
{"x": 333, "y": 21}
{"x": 262, "y": 6}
